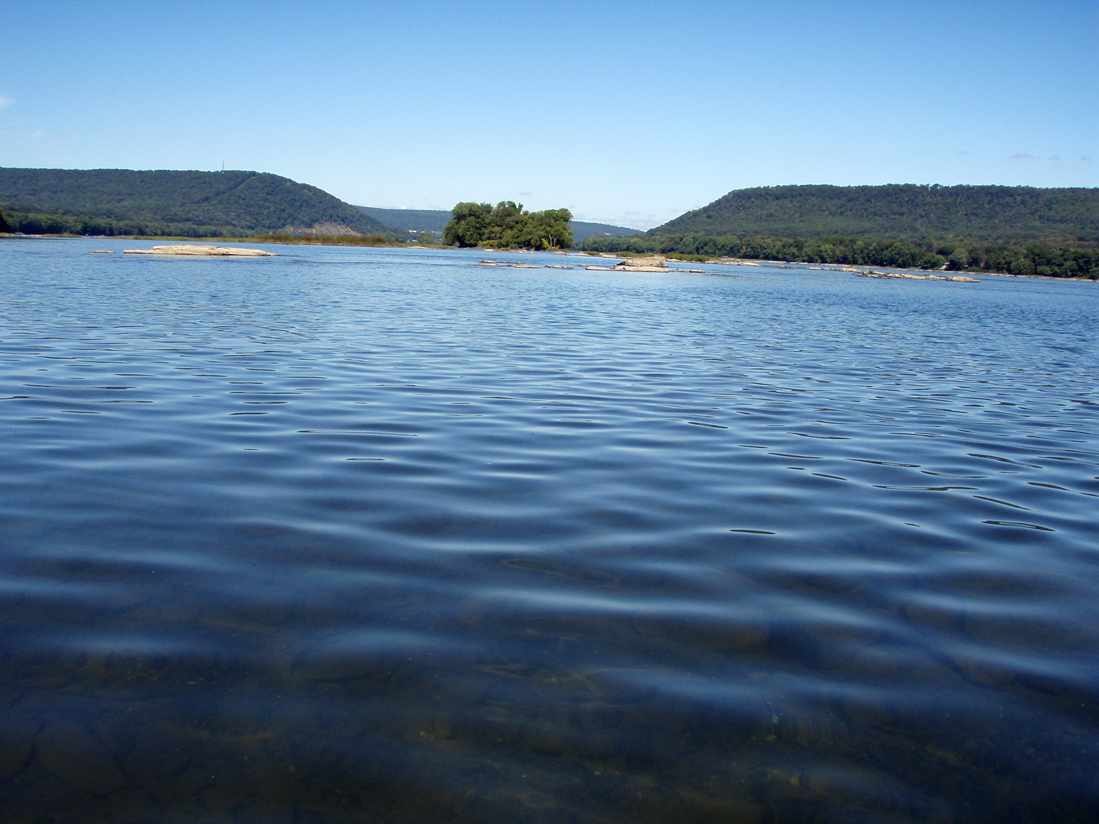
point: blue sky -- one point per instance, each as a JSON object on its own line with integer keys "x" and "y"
{"x": 625, "y": 112}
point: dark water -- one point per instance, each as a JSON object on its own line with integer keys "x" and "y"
{"x": 358, "y": 535}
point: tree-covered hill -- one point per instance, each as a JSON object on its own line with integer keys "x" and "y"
{"x": 1015, "y": 229}
{"x": 120, "y": 201}
{"x": 899, "y": 212}
{"x": 435, "y": 221}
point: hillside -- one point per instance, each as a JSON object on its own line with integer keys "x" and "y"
{"x": 119, "y": 201}
{"x": 900, "y": 212}
{"x": 435, "y": 220}
{"x": 1014, "y": 229}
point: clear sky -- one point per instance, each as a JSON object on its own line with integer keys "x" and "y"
{"x": 629, "y": 112}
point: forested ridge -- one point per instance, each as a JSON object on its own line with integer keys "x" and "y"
{"x": 899, "y": 211}
{"x": 1014, "y": 229}
{"x": 189, "y": 203}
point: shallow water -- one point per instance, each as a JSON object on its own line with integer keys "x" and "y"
{"x": 356, "y": 534}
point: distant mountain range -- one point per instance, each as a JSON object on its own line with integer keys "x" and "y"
{"x": 408, "y": 221}
{"x": 900, "y": 212}
{"x": 120, "y": 201}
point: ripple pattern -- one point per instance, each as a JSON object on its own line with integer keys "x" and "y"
{"x": 368, "y": 535}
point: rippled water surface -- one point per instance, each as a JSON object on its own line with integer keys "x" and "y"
{"x": 357, "y": 535}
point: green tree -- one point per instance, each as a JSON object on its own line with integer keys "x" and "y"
{"x": 469, "y": 224}
{"x": 958, "y": 259}
{"x": 508, "y": 225}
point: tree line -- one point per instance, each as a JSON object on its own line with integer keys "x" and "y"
{"x": 507, "y": 224}
{"x": 956, "y": 254}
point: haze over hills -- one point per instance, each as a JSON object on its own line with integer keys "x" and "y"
{"x": 121, "y": 201}
{"x": 435, "y": 220}
{"x": 408, "y": 220}
{"x": 899, "y": 212}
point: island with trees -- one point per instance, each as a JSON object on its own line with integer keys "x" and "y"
{"x": 420, "y": 225}
{"x": 508, "y": 225}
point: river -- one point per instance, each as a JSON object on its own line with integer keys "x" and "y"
{"x": 372, "y": 534}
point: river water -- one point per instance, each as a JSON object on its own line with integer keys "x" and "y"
{"x": 361, "y": 534}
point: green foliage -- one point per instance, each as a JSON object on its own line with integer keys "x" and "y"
{"x": 1017, "y": 259}
{"x": 418, "y": 222}
{"x": 1019, "y": 230}
{"x": 187, "y": 204}
{"x": 1005, "y": 214}
{"x": 468, "y": 225}
{"x": 4, "y": 224}
{"x": 507, "y": 225}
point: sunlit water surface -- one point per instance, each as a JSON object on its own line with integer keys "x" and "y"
{"x": 356, "y": 535}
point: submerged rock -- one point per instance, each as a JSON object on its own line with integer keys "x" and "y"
{"x": 16, "y": 744}
{"x": 71, "y": 753}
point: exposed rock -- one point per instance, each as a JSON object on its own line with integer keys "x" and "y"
{"x": 649, "y": 263}
{"x": 203, "y": 251}
{"x": 877, "y": 274}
